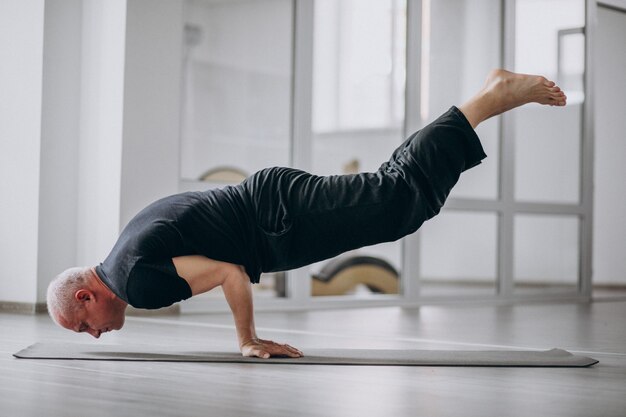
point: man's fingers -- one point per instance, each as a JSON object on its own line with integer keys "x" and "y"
{"x": 294, "y": 350}
{"x": 277, "y": 350}
{"x": 285, "y": 350}
{"x": 280, "y": 349}
{"x": 259, "y": 353}
{"x": 267, "y": 348}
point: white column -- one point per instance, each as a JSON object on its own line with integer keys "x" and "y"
{"x": 100, "y": 149}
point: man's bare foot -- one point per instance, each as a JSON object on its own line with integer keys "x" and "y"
{"x": 506, "y": 90}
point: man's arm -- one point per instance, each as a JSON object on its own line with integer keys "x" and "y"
{"x": 204, "y": 274}
{"x": 238, "y": 292}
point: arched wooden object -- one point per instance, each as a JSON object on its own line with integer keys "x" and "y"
{"x": 229, "y": 175}
{"x": 342, "y": 275}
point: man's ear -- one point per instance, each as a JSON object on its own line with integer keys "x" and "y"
{"x": 83, "y": 295}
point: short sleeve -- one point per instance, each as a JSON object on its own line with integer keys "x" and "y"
{"x": 153, "y": 286}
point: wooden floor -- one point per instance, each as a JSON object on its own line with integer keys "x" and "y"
{"x": 84, "y": 388}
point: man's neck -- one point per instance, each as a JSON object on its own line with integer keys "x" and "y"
{"x": 102, "y": 287}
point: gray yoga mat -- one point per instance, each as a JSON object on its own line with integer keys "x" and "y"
{"x": 507, "y": 358}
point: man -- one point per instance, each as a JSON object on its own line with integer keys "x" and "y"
{"x": 280, "y": 219}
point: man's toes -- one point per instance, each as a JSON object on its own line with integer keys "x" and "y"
{"x": 557, "y": 92}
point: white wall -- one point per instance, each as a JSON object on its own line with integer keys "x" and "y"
{"x": 609, "y": 238}
{"x": 152, "y": 74}
{"x": 111, "y": 112}
{"x": 21, "y": 58}
{"x": 61, "y": 90}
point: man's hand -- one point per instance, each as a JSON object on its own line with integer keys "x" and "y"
{"x": 266, "y": 348}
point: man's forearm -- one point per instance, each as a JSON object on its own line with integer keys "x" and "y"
{"x": 238, "y": 292}
{"x": 202, "y": 274}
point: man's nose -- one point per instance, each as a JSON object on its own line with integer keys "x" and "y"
{"x": 95, "y": 333}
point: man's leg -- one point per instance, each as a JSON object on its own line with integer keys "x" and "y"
{"x": 307, "y": 218}
{"x": 506, "y": 90}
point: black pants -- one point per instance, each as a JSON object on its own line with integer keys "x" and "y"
{"x": 304, "y": 218}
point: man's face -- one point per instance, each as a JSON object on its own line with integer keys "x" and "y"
{"x": 96, "y": 318}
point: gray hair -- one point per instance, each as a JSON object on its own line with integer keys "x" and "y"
{"x": 60, "y": 296}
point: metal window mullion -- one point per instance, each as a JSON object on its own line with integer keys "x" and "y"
{"x": 410, "y": 277}
{"x": 298, "y": 281}
{"x": 506, "y": 215}
{"x": 392, "y": 55}
{"x": 471, "y": 204}
{"x": 587, "y": 175}
{"x": 507, "y": 166}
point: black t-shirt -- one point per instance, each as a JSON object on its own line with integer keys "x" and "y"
{"x": 214, "y": 223}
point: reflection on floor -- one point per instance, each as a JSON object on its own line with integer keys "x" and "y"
{"x": 79, "y": 388}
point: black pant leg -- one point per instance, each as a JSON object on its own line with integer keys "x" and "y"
{"x": 306, "y": 218}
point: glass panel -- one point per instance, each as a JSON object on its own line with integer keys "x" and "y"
{"x": 546, "y": 253}
{"x": 571, "y": 64}
{"x": 237, "y": 88}
{"x": 547, "y": 167}
{"x": 358, "y": 116}
{"x": 359, "y": 64}
{"x": 236, "y": 106}
{"x": 458, "y": 253}
{"x": 460, "y": 45}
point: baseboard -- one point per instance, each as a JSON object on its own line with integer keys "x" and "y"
{"x": 22, "y": 308}
{"x": 610, "y": 287}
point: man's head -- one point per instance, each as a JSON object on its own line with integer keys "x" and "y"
{"x": 79, "y": 301}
